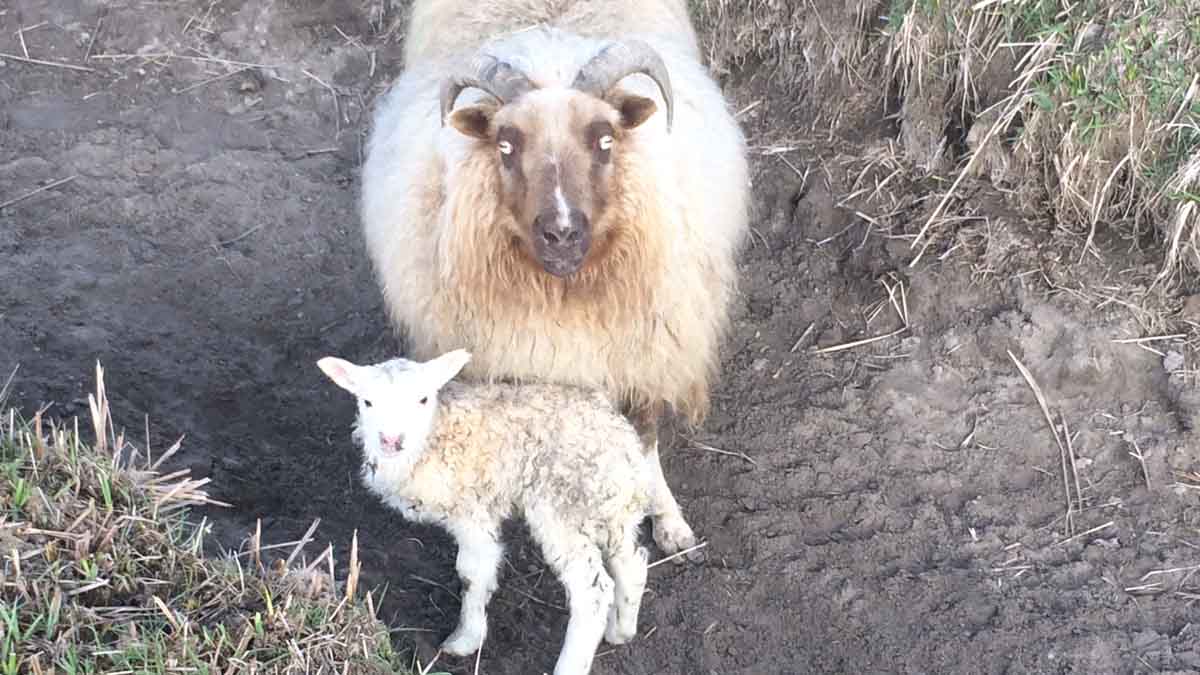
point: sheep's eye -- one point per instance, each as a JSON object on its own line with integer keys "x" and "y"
{"x": 366, "y": 403}
{"x": 505, "y": 147}
{"x": 424, "y": 400}
{"x": 606, "y": 142}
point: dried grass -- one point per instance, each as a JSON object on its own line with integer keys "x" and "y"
{"x": 1089, "y": 110}
{"x": 1084, "y": 113}
{"x": 102, "y": 573}
{"x": 796, "y": 38}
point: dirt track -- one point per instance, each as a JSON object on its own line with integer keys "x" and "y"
{"x": 897, "y": 507}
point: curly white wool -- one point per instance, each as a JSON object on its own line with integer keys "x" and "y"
{"x": 468, "y": 456}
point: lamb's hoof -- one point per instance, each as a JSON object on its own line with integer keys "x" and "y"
{"x": 673, "y": 535}
{"x": 610, "y": 627}
{"x": 581, "y": 666}
{"x": 615, "y": 635}
{"x": 614, "y": 632}
{"x": 643, "y": 555}
{"x": 462, "y": 642}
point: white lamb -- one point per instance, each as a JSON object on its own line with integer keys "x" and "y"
{"x": 468, "y": 456}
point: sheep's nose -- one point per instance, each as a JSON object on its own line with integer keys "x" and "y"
{"x": 556, "y": 234}
{"x": 391, "y": 440}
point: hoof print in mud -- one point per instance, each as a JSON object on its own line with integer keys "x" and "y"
{"x": 777, "y": 207}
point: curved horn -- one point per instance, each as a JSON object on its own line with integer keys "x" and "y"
{"x": 498, "y": 78}
{"x": 619, "y": 59}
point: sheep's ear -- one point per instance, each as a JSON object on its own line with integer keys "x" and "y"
{"x": 474, "y": 121}
{"x": 341, "y": 371}
{"x": 445, "y": 367}
{"x": 634, "y": 109}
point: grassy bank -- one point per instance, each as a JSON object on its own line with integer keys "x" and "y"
{"x": 102, "y": 573}
{"x": 1085, "y": 112}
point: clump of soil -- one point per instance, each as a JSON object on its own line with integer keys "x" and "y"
{"x": 896, "y": 504}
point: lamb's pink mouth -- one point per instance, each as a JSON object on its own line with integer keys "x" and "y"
{"x": 390, "y": 449}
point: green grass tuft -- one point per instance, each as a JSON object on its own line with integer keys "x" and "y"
{"x": 102, "y": 573}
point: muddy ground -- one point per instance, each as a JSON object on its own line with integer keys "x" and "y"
{"x": 895, "y": 507}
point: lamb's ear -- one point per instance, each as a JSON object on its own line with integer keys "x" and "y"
{"x": 341, "y": 371}
{"x": 445, "y": 367}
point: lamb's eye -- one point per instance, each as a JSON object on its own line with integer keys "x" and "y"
{"x": 366, "y": 403}
{"x": 424, "y": 400}
{"x": 606, "y": 142}
{"x": 505, "y": 147}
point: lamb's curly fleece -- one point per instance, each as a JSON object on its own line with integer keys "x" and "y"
{"x": 565, "y": 459}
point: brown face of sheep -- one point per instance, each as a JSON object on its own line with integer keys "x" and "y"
{"x": 556, "y": 148}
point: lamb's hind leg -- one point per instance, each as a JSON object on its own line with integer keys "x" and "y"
{"x": 671, "y": 531}
{"x": 628, "y": 564}
{"x": 577, "y": 562}
{"x": 478, "y": 566}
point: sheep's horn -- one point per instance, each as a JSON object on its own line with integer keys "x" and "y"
{"x": 619, "y": 59}
{"x": 498, "y": 78}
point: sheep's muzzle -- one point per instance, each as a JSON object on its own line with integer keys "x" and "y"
{"x": 561, "y": 241}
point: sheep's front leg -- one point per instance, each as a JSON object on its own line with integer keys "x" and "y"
{"x": 478, "y": 566}
{"x": 671, "y": 531}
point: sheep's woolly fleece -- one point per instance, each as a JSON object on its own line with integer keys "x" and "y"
{"x": 646, "y": 321}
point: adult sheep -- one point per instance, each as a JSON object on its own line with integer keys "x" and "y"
{"x": 560, "y": 187}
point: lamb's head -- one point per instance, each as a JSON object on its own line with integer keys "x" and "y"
{"x": 397, "y": 399}
{"x": 556, "y": 147}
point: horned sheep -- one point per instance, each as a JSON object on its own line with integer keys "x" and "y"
{"x": 561, "y": 187}
{"x": 467, "y": 457}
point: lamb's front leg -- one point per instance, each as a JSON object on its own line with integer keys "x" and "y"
{"x": 478, "y": 566}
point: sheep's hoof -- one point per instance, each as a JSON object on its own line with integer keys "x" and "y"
{"x": 462, "y": 642}
{"x": 673, "y": 535}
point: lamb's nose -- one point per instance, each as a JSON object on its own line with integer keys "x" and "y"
{"x": 391, "y": 440}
